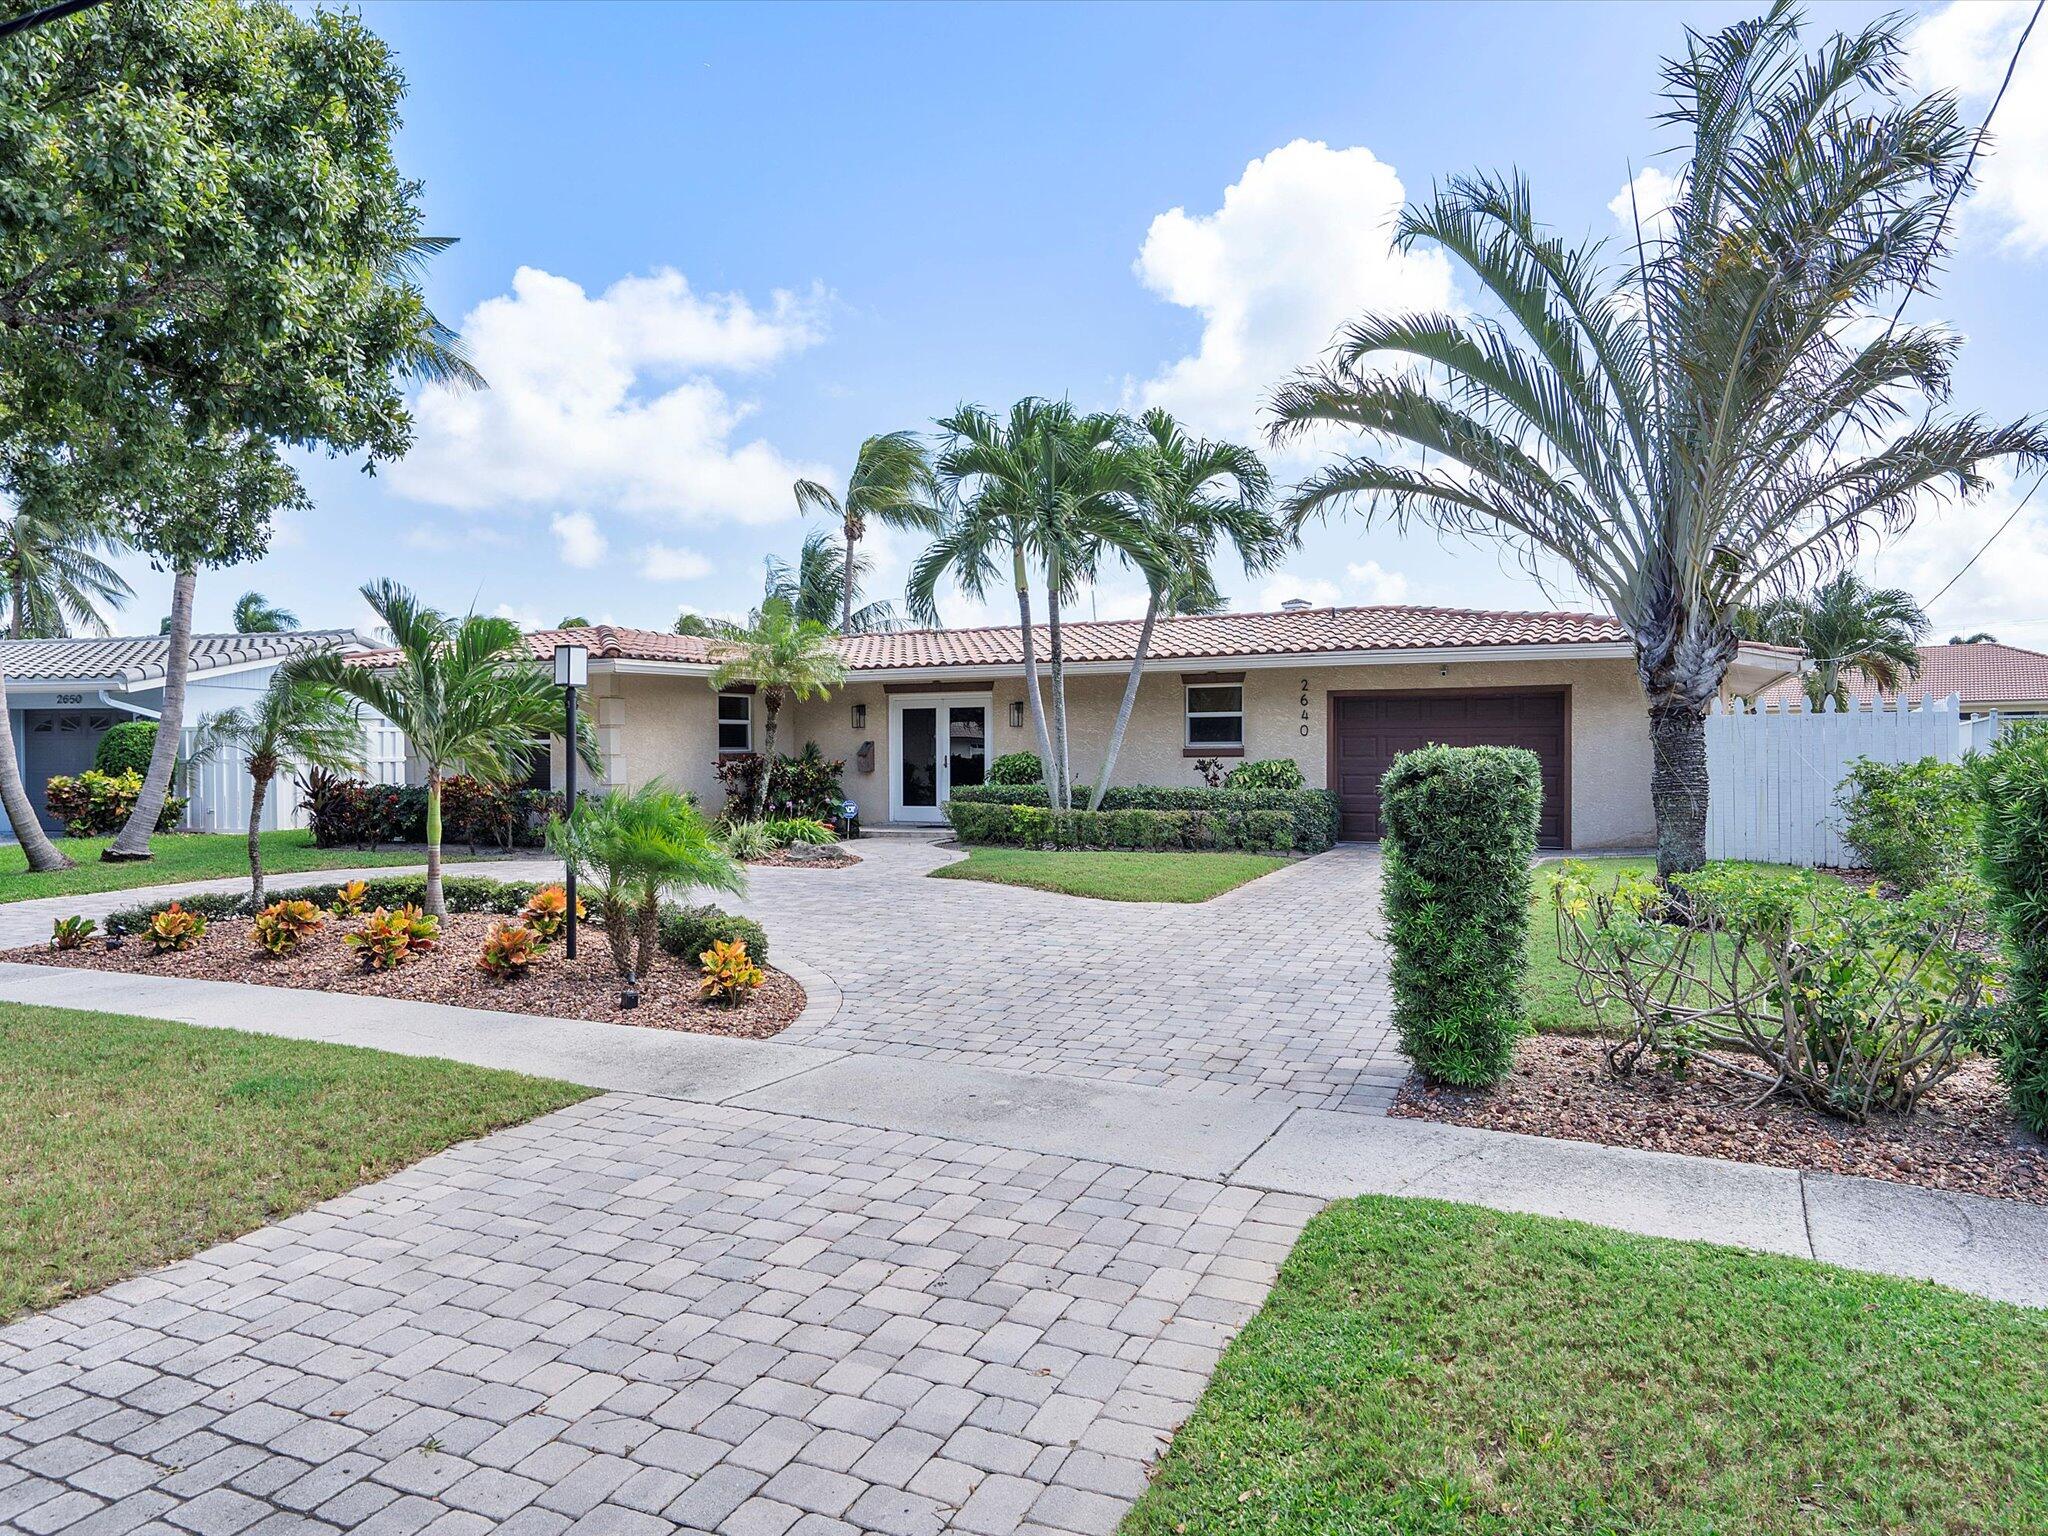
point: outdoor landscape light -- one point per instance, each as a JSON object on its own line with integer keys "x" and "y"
{"x": 572, "y": 666}
{"x": 572, "y": 671}
{"x": 630, "y": 998}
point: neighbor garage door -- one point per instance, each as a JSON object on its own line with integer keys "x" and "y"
{"x": 1369, "y": 730}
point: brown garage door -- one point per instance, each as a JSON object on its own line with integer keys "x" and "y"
{"x": 1368, "y": 730}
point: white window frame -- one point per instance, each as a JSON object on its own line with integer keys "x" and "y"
{"x": 1189, "y": 714}
{"x": 721, "y": 722}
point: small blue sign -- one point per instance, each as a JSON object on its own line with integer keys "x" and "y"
{"x": 849, "y": 809}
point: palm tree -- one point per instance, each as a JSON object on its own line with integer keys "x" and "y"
{"x": 891, "y": 483}
{"x": 1844, "y": 625}
{"x": 1194, "y": 494}
{"x": 296, "y": 721}
{"x": 698, "y": 625}
{"x": 255, "y": 614}
{"x": 1981, "y": 637}
{"x": 55, "y": 578}
{"x": 1727, "y": 412}
{"x": 1045, "y": 486}
{"x": 816, "y": 587}
{"x": 465, "y": 692}
{"x": 784, "y": 657}
{"x": 635, "y": 848}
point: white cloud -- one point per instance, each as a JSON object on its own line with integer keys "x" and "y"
{"x": 1966, "y": 48}
{"x": 1299, "y": 246}
{"x": 609, "y": 402}
{"x": 2002, "y": 591}
{"x": 1366, "y": 582}
{"x": 1374, "y": 584}
{"x": 581, "y": 541}
{"x": 662, "y": 562}
{"x": 1309, "y": 589}
{"x": 1647, "y": 198}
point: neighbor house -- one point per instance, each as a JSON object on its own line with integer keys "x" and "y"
{"x": 1986, "y": 677}
{"x": 63, "y": 695}
{"x": 1338, "y": 690}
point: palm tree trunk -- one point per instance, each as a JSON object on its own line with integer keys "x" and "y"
{"x": 1678, "y": 786}
{"x": 1031, "y": 693}
{"x": 771, "y": 707}
{"x": 437, "y": 905}
{"x": 260, "y": 789}
{"x": 1063, "y": 796}
{"x": 1130, "y": 698}
{"x": 36, "y": 847}
{"x": 846, "y": 582}
{"x": 133, "y": 840}
{"x": 650, "y": 928}
{"x": 15, "y": 621}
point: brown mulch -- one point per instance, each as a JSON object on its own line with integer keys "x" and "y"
{"x": 1961, "y": 1138}
{"x": 585, "y": 988}
{"x": 780, "y": 859}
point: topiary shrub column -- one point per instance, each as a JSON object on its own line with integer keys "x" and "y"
{"x": 126, "y": 747}
{"x": 1460, "y": 828}
{"x": 2012, "y": 786}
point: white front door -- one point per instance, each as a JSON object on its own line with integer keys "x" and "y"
{"x": 937, "y": 743}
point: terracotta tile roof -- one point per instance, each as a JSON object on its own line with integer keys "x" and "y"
{"x": 607, "y": 642}
{"x": 1984, "y": 674}
{"x": 138, "y": 661}
{"x": 1285, "y": 632}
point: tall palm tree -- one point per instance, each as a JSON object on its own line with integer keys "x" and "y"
{"x": 817, "y": 587}
{"x": 785, "y": 658}
{"x": 55, "y": 579}
{"x": 297, "y": 722}
{"x": 1194, "y": 495}
{"x": 892, "y": 484}
{"x": 1844, "y": 625}
{"x": 1726, "y": 412}
{"x": 1980, "y": 637}
{"x": 697, "y": 625}
{"x": 1045, "y": 486}
{"x": 466, "y": 693}
{"x": 256, "y": 614}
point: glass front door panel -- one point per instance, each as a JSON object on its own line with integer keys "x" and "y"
{"x": 921, "y": 757}
{"x": 967, "y": 751}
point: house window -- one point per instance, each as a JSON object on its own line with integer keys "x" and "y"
{"x": 735, "y": 723}
{"x": 1215, "y": 715}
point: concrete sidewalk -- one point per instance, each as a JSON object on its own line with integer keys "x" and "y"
{"x": 1991, "y": 1247}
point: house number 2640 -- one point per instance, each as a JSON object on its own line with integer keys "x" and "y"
{"x": 1304, "y": 706}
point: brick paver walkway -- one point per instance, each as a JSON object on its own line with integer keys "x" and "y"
{"x": 641, "y": 1316}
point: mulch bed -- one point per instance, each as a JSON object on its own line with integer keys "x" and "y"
{"x": 780, "y": 859}
{"x": 1961, "y": 1138}
{"x": 585, "y": 988}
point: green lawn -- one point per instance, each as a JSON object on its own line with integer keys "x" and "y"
{"x": 1114, "y": 876}
{"x": 1426, "y": 1369}
{"x": 126, "y": 1143}
{"x": 183, "y": 856}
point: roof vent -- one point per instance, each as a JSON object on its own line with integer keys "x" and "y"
{"x": 1295, "y": 605}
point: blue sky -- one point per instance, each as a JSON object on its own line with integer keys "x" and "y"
{"x": 707, "y": 248}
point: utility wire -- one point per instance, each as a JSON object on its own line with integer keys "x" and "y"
{"x": 2015, "y": 512}
{"x": 41, "y": 15}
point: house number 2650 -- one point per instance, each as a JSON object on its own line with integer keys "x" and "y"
{"x": 1304, "y": 706}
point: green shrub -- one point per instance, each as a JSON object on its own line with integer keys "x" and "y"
{"x": 1912, "y": 823}
{"x": 1460, "y": 831}
{"x": 2012, "y": 791}
{"x": 747, "y": 840}
{"x": 1017, "y": 768}
{"x": 1033, "y": 826}
{"x": 686, "y": 932}
{"x": 784, "y": 831}
{"x": 1312, "y": 813}
{"x": 97, "y": 804}
{"x": 1266, "y": 773}
{"x": 463, "y": 893}
{"x": 126, "y": 747}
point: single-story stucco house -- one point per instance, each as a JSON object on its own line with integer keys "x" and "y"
{"x": 1339, "y": 690}
{"x": 63, "y": 695}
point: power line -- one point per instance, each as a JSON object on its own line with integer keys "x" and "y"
{"x": 2015, "y": 512}
{"x": 42, "y": 15}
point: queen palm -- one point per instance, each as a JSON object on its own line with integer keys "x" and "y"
{"x": 785, "y": 658}
{"x": 1727, "y": 411}
{"x": 295, "y": 722}
{"x": 1844, "y": 625}
{"x": 817, "y": 587}
{"x": 256, "y": 614}
{"x": 55, "y": 580}
{"x": 891, "y": 484}
{"x": 465, "y": 692}
{"x": 1194, "y": 495}
{"x": 1046, "y": 486}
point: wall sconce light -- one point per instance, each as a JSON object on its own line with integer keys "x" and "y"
{"x": 1016, "y": 713}
{"x": 860, "y": 717}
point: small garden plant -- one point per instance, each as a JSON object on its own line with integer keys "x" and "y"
{"x": 786, "y": 830}
{"x": 72, "y": 932}
{"x": 1266, "y": 773}
{"x": 350, "y": 898}
{"x": 175, "y": 928}
{"x": 284, "y": 925}
{"x": 730, "y": 974}
{"x": 508, "y": 950}
{"x": 547, "y": 913}
{"x": 745, "y": 840}
{"x": 1913, "y": 824}
{"x": 389, "y": 938}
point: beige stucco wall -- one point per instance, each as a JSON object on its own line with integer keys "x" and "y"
{"x": 668, "y": 726}
{"x": 653, "y": 725}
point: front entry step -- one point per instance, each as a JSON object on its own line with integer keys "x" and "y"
{"x": 914, "y": 831}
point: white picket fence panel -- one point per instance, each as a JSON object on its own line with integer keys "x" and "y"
{"x": 220, "y": 787}
{"x": 1773, "y": 773}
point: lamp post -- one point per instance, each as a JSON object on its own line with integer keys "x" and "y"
{"x": 572, "y": 671}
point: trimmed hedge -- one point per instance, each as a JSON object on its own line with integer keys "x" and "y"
{"x": 2012, "y": 791}
{"x": 1034, "y": 826}
{"x": 1460, "y": 826}
{"x": 687, "y": 932}
{"x": 126, "y": 747}
{"x": 1017, "y": 768}
{"x": 1311, "y": 813}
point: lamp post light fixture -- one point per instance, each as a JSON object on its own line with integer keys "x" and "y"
{"x": 572, "y": 671}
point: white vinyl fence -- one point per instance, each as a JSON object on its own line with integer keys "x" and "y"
{"x": 220, "y": 787}
{"x": 1773, "y": 773}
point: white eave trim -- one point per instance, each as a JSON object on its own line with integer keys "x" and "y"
{"x": 1596, "y": 650}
